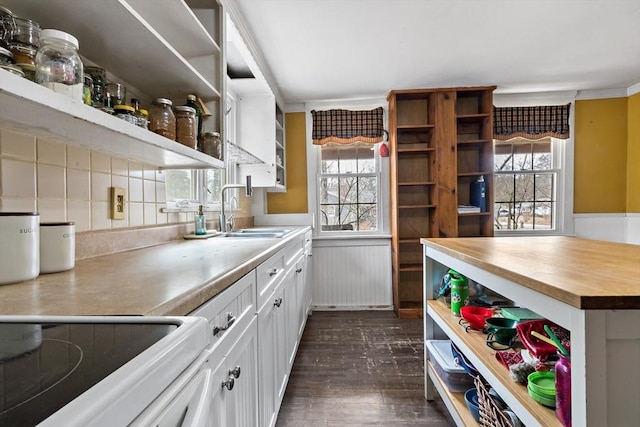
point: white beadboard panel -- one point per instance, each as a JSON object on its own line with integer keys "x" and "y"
{"x": 348, "y": 275}
{"x": 621, "y": 228}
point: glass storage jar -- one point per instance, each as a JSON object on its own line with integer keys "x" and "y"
{"x": 6, "y": 57}
{"x": 23, "y": 54}
{"x": 186, "y": 126}
{"x": 117, "y": 94}
{"x": 99, "y": 77}
{"x": 7, "y": 24}
{"x": 212, "y": 145}
{"x": 26, "y": 31}
{"x": 161, "y": 118}
{"x": 58, "y": 65}
{"x": 87, "y": 89}
{"x": 125, "y": 113}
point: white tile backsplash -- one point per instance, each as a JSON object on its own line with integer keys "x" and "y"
{"x": 71, "y": 183}
{"x": 100, "y": 216}
{"x": 51, "y": 184}
{"x": 52, "y": 210}
{"x": 78, "y": 184}
{"x": 78, "y": 157}
{"x": 135, "y": 190}
{"x": 17, "y": 178}
{"x": 51, "y": 152}
{"x": 100, "y": 183}
{"x": 100, "y": 162}
{"x": 17, "y": 145}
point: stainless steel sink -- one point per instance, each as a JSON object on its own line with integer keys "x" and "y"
{"x": 259, "y": 232}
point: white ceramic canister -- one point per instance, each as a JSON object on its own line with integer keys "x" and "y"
{"x": 19, "y": 246}
{"x": 57, "y": 246}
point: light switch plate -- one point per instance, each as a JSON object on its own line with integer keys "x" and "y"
{"x": 117, "y": 203}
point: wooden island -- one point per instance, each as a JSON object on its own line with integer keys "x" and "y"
{"x": 591, "y": 288}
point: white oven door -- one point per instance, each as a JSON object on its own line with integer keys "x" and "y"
{"x": 185, "y": 403}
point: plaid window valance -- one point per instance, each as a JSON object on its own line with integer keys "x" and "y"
{"x": 531, "y": 122}
{"x": 346, "y": 126}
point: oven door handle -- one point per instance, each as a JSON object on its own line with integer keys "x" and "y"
{"x": 198, "y": 410}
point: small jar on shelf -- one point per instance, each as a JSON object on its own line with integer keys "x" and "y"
{"x": 58, "y": 65}
{"x": 161, "y": 118}
{"x": 186, "y": 126}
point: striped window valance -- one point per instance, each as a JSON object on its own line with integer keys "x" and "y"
{"x": 347, "y": 127}
{"x": 531, "y": 122}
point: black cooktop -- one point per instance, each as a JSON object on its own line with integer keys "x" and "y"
{"x": 44, "y": 366}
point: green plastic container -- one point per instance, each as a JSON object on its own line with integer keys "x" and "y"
{"x": 459, "y": 291}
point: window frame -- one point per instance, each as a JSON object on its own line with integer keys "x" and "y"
{"x": 563, "y": 154}
{"x": 382, "y": 165}
{"x": 375, "y": 174}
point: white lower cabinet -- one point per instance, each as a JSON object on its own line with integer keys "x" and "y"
{"x": 256, "y": 326}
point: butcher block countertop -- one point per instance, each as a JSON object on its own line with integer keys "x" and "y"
{"x": 587, "y": 274}
{"x": 167, "y": 280}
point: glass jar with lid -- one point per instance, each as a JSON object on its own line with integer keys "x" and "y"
{"x": 125, "y": 113}
{"x": 26, "y": 31}
{"x": 186, "y": 126}
{"x": 212, "y": 145}
{"x": 58, "y": 65}
{"x": 161, "y": 118}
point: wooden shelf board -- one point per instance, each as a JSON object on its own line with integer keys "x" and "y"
{"x": 415, "y": 183}
{"x": 476, "y": 214}
{"x": 475, "y": 141}
{"x": 407, "y": 311}
{"x": 472, "y": 117}
{"x": 416, "y": 150}
{"x": 414, "y": 128}
{"x": 473, "y": 345}
{"x": 475, "y": 173}
{"x": 416, "y": 240}
{"x": 416, "y": 206}
{"x": 410, "y": 267}
{"x": 454, "y": 401}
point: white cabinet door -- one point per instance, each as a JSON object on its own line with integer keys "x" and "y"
{"x": 280, "y": 340}
{"x": 242, "y": 365}
{"x": 301, "y": 272}
{"x": 291, "y": 304}
{"x": 218, "y": 408}
{"x": 267, "y": 367}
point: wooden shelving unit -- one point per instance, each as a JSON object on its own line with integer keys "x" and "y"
{"x": 441, "y": 142}
{"x": 453, "y": 401}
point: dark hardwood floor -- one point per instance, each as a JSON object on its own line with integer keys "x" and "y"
{"x": 360, "y": 368}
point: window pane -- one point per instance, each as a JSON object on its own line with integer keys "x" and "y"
{"x": 330, "y": 160}
{"x": 366, "y": 160}
{"x": 367, "y": 191}
{"x": 504, "y": 188}
{"x": 214, "y": 184}
{"x": 524, "y": 188}
{"x": 349, "y": 189}
{"x": 367, "y": 217}
{"x": 328, "y": 190}
{"x": 544, "y": 187}
{"x": 180, "y": 185}
{"x": 522, "y": 157}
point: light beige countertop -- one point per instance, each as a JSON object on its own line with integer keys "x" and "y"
{"x": 587, "y": 274}
{"x": 170, "y": 279}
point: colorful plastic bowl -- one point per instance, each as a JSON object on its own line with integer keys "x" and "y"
{"x": 471, "y": 399}
{"x": 476, "y": 316}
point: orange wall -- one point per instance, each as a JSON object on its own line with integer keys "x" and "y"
{"x": 295, "y": 199}
{"x": 601, "y": 155}
{"x": 633, "y": 154}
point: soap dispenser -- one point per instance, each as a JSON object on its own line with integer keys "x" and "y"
{"x": 201, "y": 228}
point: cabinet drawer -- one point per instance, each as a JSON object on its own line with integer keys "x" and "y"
{"x": 269, "y": 274}
{"x": 229, "y": 312}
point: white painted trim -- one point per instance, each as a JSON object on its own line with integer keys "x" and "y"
{"x": 294, "y": 108}
{"x": 632, "y": 90}
{"x": 602, "y": 94}
{"x": 533, "y": 99}
{"x": 612, "y": 227}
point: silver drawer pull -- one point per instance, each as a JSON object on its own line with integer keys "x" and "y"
{"x": 277, "y": 302}
{"x": 228, "y": 383}
{"x": 299, "y": 270}
{"x": 230, "y": 320}
{"x": 273, "y": 272}
{"x": 235, "y": 372}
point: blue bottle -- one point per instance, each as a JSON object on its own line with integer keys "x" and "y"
{"x": 201, "y": 228}
{"x": 478, "y": 195}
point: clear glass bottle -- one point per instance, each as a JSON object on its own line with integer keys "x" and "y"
{"x": 141, "y": 119}
{"x": 161, "y": 118}
{"x": 186, "y": 126}
{"x": 212, "y": 145}
{"x": 201, "y": 228}
{"x": 58, "y": 65}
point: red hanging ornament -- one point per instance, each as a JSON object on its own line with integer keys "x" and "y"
{"x": 384, "y": 150}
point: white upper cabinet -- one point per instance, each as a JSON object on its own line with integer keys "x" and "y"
{"x": 160, "y": 48}
{"x": 259, "y": 121}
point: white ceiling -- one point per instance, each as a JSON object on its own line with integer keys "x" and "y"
{"x": 319, "y": 50}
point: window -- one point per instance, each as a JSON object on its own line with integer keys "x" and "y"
{"x": 526, "y": 184}
{"x": 188, "y": 188}
{"x": 348, "y": 188}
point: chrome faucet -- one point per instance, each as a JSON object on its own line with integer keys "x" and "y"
{"x": 248, "y": 192}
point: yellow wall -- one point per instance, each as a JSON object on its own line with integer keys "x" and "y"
{"x": 633, "y": 154}
{"x": 295, "y": 199}
{"x": 601, "y": 170}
